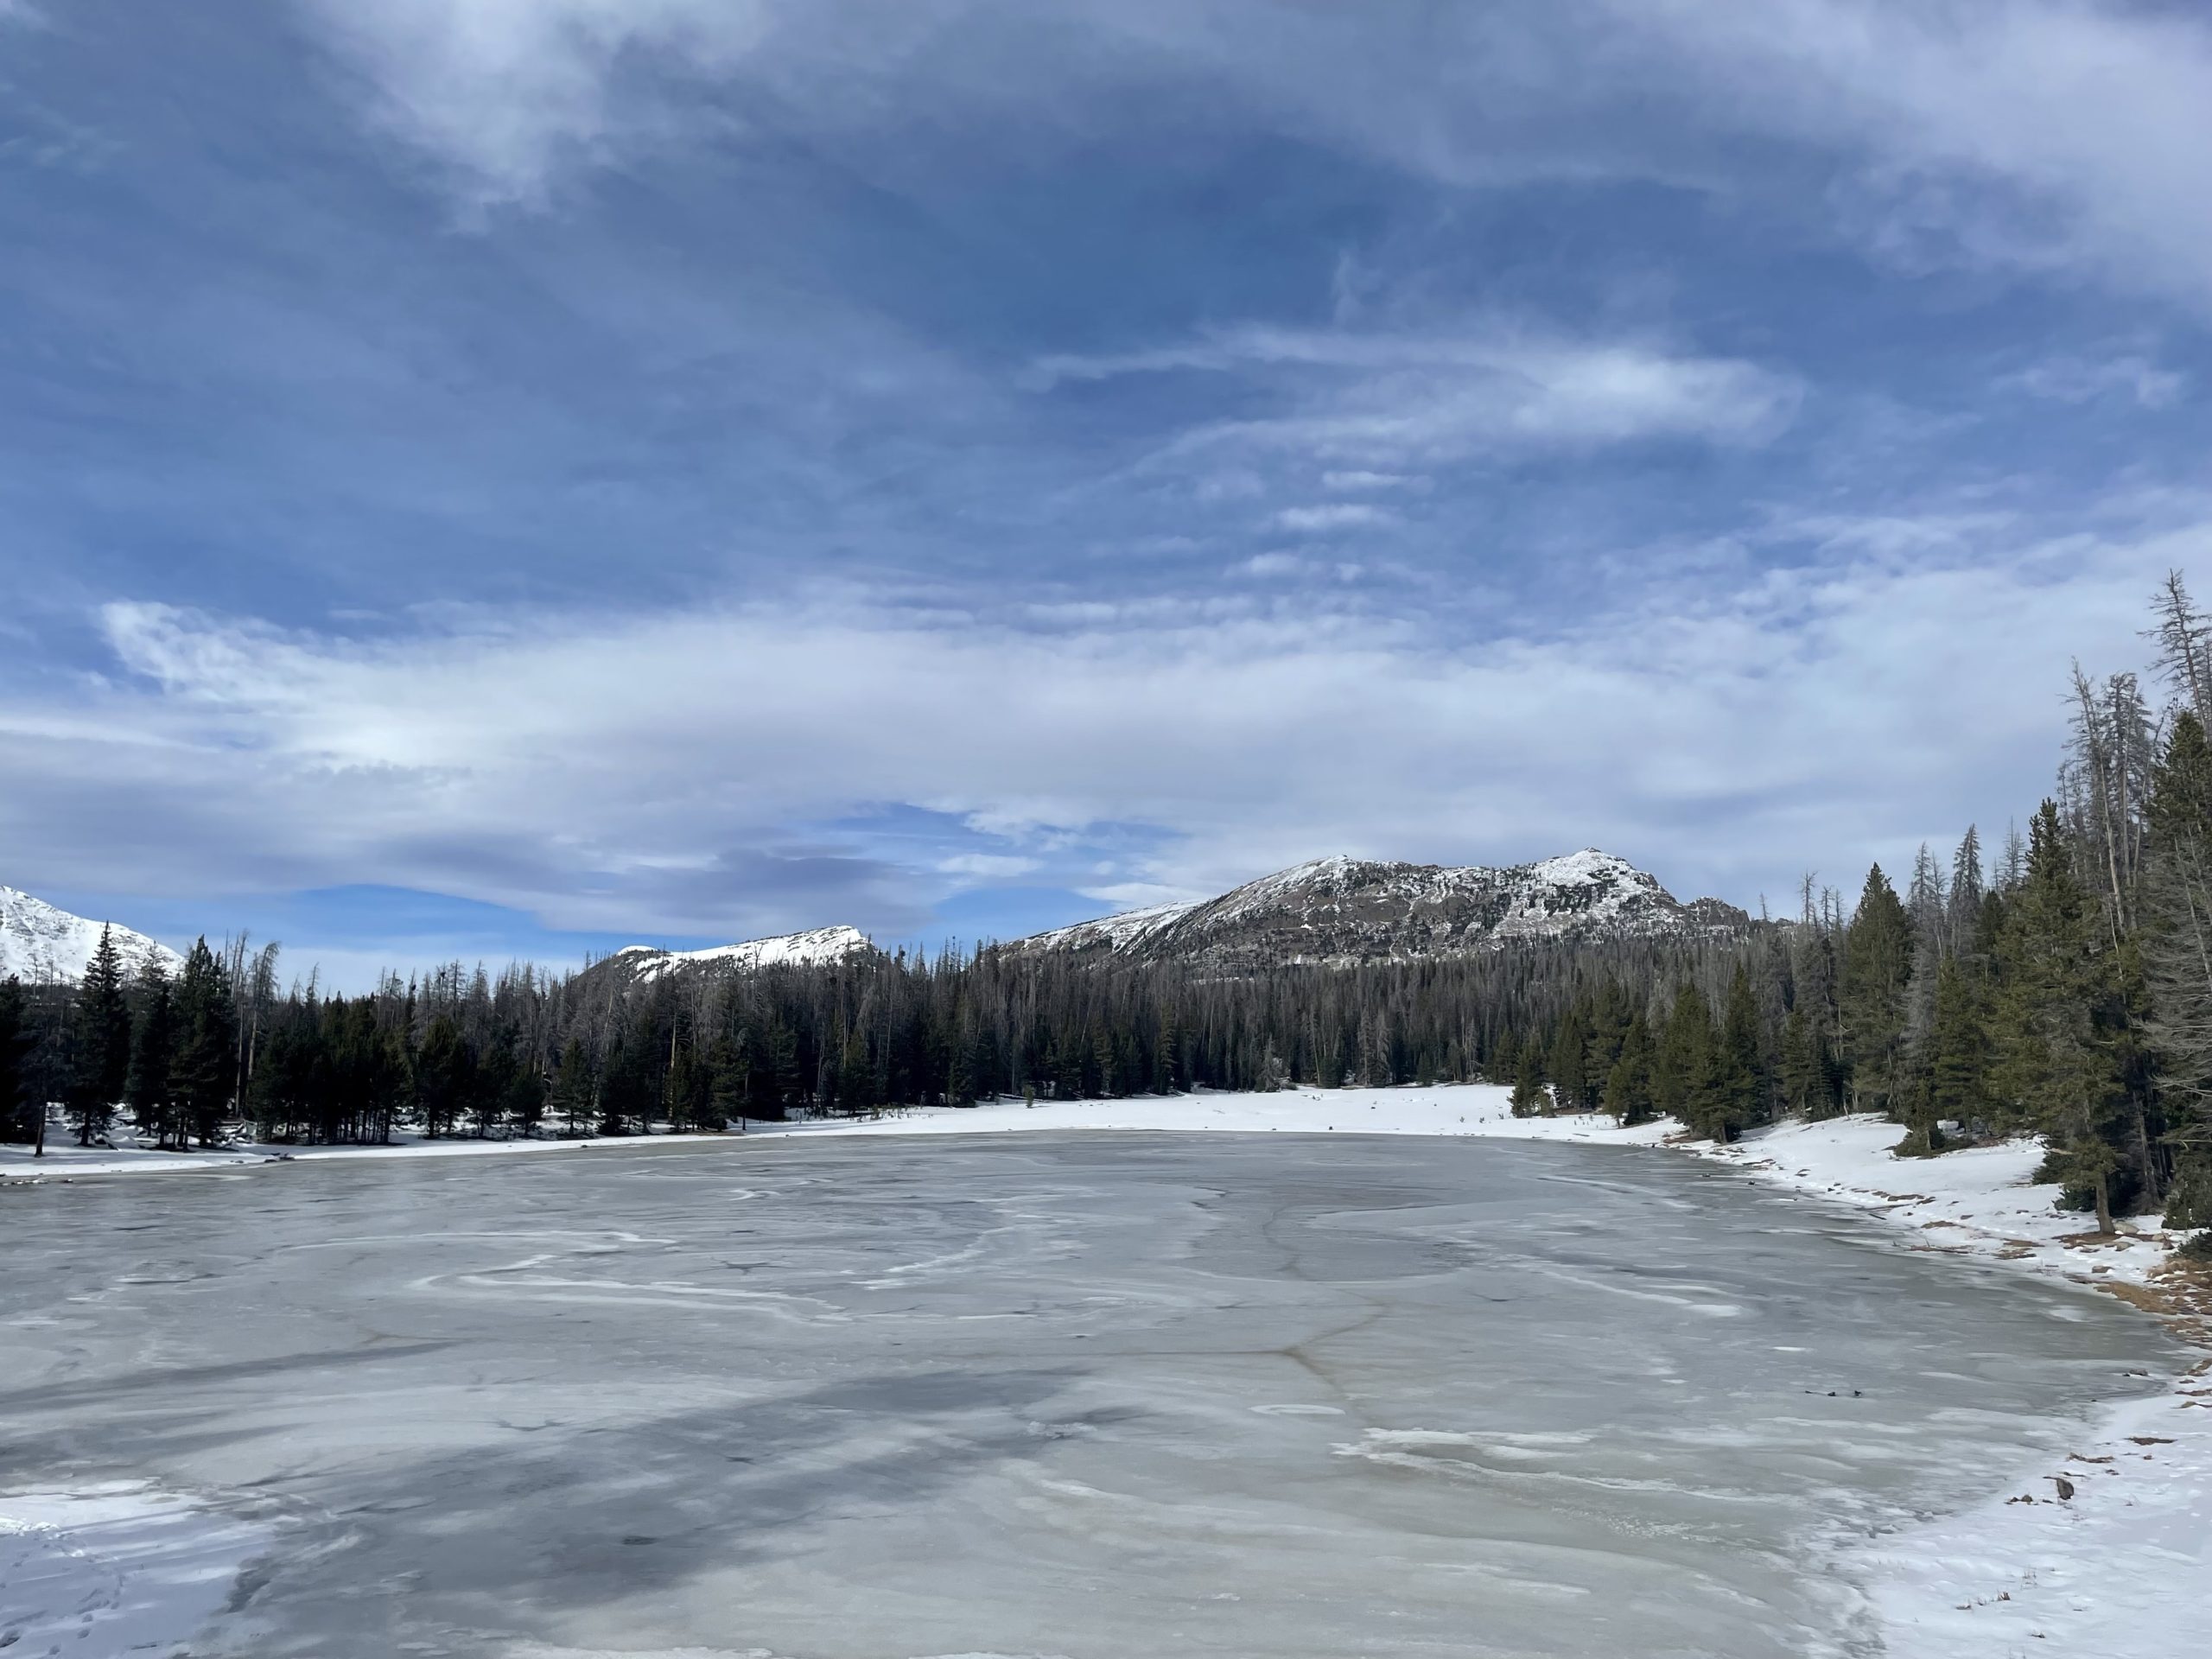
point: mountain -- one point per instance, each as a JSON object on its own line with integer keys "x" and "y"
{"x": 641, "y": 965}
{"x": 1342, "y": 911}
{"x": 39, "y": 941}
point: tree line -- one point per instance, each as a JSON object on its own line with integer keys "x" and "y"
{"x": 2063, "y": 986}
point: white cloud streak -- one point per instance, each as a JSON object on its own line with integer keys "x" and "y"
{"x": 579, "y": 769}
{"x": 1440, "y": 396}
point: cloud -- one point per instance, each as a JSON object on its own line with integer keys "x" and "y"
{"x": 642, "y": 774}
{"x": 2033, "y": 133}
{"x": 1360, "y": 479}
{"x": 1335, "y": 515}
{"x": 508, "y": 92}
{"x": 2044, "y": 135}
{"x": 2130, "y": 375}
{"x": 1354, "y": 396}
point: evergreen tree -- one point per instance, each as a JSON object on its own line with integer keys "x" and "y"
{"x": 444, "y": 1076}
{"x": 1877, "y": 972}
{"x": 1958, "y": 1057}
{"x": 1800, "y": 1074}
{"x": 201, "y": 1073}
{"x": 1683, "y": 1062}
{"x": 2177, "y": 956}
{"x": 573, "y": 1088}
{"x": 1737, "y": 1099}
{"x": 729, "y": 1068}
{"x": 99, "y": 1032}
{"x": 15, "y": 1053}
{"x": 2053, "y": 1066}
{"x": 1628, "y": 1083}
{"x": 1570, "y": 1062}
{"x": 1529, "y": 1098}
{"x": 146, "y": 1089}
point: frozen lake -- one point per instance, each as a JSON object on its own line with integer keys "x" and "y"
{"x": 1103, "y": 1396}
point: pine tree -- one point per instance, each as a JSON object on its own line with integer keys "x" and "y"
{"x": 444, "y": 1076}
{"x": 1529, "y": 1098}
{"x": 1682, "y": 1066}
{"x": 14, "y": 1052}
{"x": 2053, "y": 1065}
{"x": 2176, "y": 944}
{"x": 1799, "y": 1074}
{"x": 1958, "y": 1056}
{"x": 572, "y": 1087}
{"x": 1628, "y": 1083}
{"x": 729, "y": 1069}
{"x": 1877, "y": 972}
{"x": 1737, "y": 1098}
{"x": 201, "y": 1073}
{"x": 1962, "y": 911}
{"x": 1571, "y": 1082}
{"x": 99, "y": 1040}
{"x": 146, "y": 1089}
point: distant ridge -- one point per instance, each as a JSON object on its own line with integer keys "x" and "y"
{"x": 641, "y": 965}
{"x": 1342, "y": 910}
{"x": 41, "y": 942}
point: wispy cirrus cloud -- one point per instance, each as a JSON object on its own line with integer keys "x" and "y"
{"x": 1436, "y": 396}
{"x": 2036, "y": 134}
{"x": 2133, "y": 375}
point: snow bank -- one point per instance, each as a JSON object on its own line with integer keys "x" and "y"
{"x": 113, "y": 1569}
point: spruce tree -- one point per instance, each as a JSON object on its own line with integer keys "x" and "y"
{"x": 100, "y": 1042}
{"x": 1958, "y": 1056}
{"x": 201, "y": 1073}
{"x": 1570, "y": 1061}
{"x": 572, "y": 1087}
{"x": 729, "y": 1071}
{"x": 1529, "y": 1098}
{"x": 1628, "y": 1083}
{"x": 1737, "y": 1099}
{"x": 1877, "y": 973}
{"x": 1682, "y": 1067}
{"x": 14, "y": 1052}
{"x": 153, "y": 1045}
{"x": 2176, "y": 945}
{"x": 444, "y": 1076}
{"x": 2053, "y": 1067}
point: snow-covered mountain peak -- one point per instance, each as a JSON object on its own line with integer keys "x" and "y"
{"x": 816, "y": 947}
{"x": 1342, "y": 909}
{"x": 41, "y": 942}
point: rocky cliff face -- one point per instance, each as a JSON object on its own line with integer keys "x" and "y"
{"x": 1342, "y": 911}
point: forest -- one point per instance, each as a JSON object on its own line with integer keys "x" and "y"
{"x": 2060, "y": 985}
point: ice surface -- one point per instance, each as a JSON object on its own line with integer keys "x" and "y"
{"x": 1055, "y": 1393}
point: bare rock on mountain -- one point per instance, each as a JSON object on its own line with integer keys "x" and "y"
{"x": 1342, "y": 910}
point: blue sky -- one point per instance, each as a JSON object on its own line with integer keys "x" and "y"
{"x": 489, "y": 478}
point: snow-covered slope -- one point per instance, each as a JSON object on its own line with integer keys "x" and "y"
{"x": 642, "y": 963}
{"x": 1347, "y": 910}
{"x": 39, "y": 941}
{"x": 1120, "y": 932}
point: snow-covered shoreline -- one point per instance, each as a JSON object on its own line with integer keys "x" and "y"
{"x": 2102, "y": 1572}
